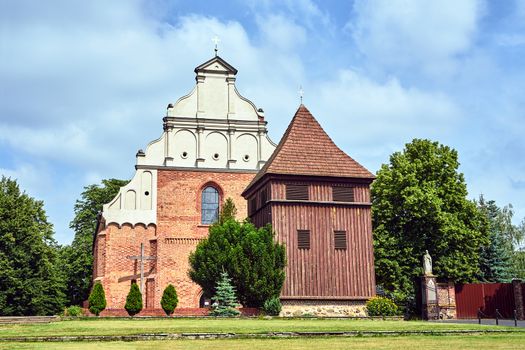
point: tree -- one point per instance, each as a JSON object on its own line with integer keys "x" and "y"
{"x": 169, "y": 299}
{"x": 250, "y": 256}
{"x": 30, "y": 281}
{"x": 78, "y": 257}
{"x": 133, "y": 300}
{"x": 496, "y": 257}
{"x": 97, "y": 299}
{"x": 419, "y": 202}
{"x": 228, "y": 211}
{"x": 224, "y": 300}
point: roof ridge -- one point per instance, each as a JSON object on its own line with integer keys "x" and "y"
{"x": 306, "y": 149}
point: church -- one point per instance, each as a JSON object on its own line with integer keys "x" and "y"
{"x": 214, "y": 146}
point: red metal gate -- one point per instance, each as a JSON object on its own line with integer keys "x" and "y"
{"x": 484, "y": 296}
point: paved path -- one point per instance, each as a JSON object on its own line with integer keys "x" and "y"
{"x": 485, "y": 321}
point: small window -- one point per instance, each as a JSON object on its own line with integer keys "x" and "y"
{"x": 342, "y": 194}
{"x": 340, "y": 239}
{"x": 210, "y": 205}
{"x": 297, "y": 192}
{"x": 303, "y": 239}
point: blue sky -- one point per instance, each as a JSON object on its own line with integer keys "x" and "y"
{"x": 84, "y": 84}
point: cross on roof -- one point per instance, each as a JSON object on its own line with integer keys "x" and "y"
{"x": 141, "y": 259}
{"x": 216, "y": 41}
{"x": 301, "y": 93}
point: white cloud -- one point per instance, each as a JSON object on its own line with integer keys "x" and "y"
{"x": 414, "y": 34}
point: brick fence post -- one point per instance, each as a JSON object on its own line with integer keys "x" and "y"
{"x": 518, "y": 298}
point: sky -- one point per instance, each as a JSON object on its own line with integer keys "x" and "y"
{"x": 85, "y": 84}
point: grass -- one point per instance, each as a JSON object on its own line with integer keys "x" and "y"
{"x": 493, "y": 342}
{"x": 110, "y": 326}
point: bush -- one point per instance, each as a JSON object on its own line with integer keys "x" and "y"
{"x": 133, "y": 300}
{"x": 73, "y": 311}
{"x": 380, "y": 306}
{"x": 169, "y": 299}
{"x": 272, "y": 306}
{"x": 225, "y": 301}
{"x": 97, "y": 299}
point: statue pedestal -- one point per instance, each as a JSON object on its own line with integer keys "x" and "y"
{"x": 429, "y": 298}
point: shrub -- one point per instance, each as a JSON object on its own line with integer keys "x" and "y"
{"x": 133, "y": 300}
{"x": 225, "y": 300}
{"x": 272, "y": 306}
{"x": 169, "y": 299}
{"x": 73, "y": 311}
{"x": 381, "y": 306}
{"x": 97, "y": 299}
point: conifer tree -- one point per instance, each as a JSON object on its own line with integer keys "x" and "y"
{"x": 228, "y": 211}
{"x": 224, "y": 301}
{"x": 134, "y": 300}
{"x": 169, "y": 299}
{"x": 97, "y": 299}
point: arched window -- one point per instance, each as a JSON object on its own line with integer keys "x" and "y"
{"x": 210, "y": 205}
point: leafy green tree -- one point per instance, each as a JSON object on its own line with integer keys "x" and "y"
{"x": 30, "y": 281}
{"x": 250, "y": 256}
{"x": 97, "y": 299}
{"x": 78, "y": 257}
{"x": 419, "y": 202}
{"x": 134, "y": 300}
{"x": 518, "y": 264}
{"x": 169, "y": 299}
{"x": 496, "y": 257}
{"x": 224, "y": 300}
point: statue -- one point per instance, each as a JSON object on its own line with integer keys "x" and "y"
{"x": 427, "y": 264}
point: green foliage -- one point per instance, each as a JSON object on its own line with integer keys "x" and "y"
{"x": 228, "y": 211}
{"x": 134, "y": 300}
{"x": 73, "y": 311}
{"x": 250, "y": 256}
{"x": 224, "y": 301}
{"x": 495, "y": 257}
{"x": 272, "y": 306}
{"x": 30, "y": 281}
{"x": 419, "y": 202}
{"x": 78, "y": 257}
{"x": 169, "y": 299}
{"x": 381, "y": 306}
{"x": 97, "y": 299}
{"x": 518, "y": 264}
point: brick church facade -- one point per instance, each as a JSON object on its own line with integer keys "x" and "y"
{"x": 215, "y": 145}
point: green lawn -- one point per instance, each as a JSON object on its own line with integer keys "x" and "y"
{"x": 493, "y": 342}
{"x": 93, "y": 326}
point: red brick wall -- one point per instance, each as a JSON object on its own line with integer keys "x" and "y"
{"x": 176, "y": 235}
{"x": 179, "y": 223}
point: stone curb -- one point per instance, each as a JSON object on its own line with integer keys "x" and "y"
{"x": 170, "y": 336}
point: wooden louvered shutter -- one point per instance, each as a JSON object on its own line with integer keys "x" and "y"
{"x": 252, "y": 205}
{"x": 303, "y": 239}
{"x": 297, "y": 192}
{"x": 342, "y": 194}
{"x": 340, "y": 239}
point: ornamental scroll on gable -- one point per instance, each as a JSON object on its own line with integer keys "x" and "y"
{"x": 213, "y": 127}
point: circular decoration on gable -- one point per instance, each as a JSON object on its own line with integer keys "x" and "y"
{"x": 246, "y": 157}
{"x": 216, "y": 156}
{"x": 184, "y": 155}
{"x": 146, "y": 193}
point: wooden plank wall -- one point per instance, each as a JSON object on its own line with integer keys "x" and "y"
{"x": 322, "y": 270}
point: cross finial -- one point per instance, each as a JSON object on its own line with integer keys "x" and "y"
{"x": 301, "y": 93}
{"x": 216, "y": 41}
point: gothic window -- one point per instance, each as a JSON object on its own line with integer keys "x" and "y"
{"x": 210, "y": 205}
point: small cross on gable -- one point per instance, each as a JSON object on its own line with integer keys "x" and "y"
{"x": 216, "y": 41}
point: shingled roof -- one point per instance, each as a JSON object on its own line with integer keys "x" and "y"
{"x": 306, "y": 149}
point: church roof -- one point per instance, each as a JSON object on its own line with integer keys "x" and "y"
{"x": 306, "y": 149}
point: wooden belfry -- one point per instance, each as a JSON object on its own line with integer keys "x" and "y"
{"x": 141, "y": 259}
